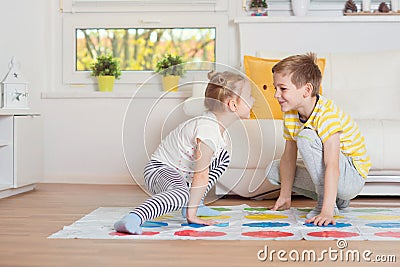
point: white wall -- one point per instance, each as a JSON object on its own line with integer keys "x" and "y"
{"x": 82, "y": 135}
{"x": 83, "y": 140}
{"x": 26, "y": 35}
{"x": 92, "y": 141}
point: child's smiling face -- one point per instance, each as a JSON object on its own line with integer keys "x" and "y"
{"x": 288, "y": 95}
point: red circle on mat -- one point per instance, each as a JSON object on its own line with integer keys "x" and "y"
{"x": 389, "y": 234}
{"x": 338, "y": 234}
{"x": 125, "y": 234}
{"x": 267, "y": 234}
{"x": 195, "y": 233}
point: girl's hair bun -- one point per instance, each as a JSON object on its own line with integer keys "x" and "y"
{"x": 217, "y": 78}
{"x": 212, "y": 74}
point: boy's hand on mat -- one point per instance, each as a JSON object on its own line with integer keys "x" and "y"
{"x": 201, "y": 221}
{"x": 322, "y": 219}
{"x": 282, "y": 203}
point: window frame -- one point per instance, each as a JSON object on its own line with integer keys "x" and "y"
{"x": 74, "y": 21}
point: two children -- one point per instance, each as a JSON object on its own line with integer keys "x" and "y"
{"x": 192, "y": 157}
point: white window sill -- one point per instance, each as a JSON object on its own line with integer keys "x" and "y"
{"x": 312, "y": 19}
{"x": 116, "y": 95}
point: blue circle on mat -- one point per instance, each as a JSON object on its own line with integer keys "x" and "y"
{"x": 196, "y": 225}
{"x": 337, "y": 225}
{"x": 151, "y": 224}
{"x": 384, "y": 225}
{"x": 267, "y": 224}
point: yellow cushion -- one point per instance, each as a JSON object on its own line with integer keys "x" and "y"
{"x": 259, "y": 70}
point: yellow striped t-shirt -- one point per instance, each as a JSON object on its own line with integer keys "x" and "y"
{"x": 327, "y": 119}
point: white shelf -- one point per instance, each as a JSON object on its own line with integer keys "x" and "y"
{"x": 312, "y": 19}
{"x": 10, "y": 112}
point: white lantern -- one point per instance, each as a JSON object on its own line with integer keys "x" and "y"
{"x": 14, "y": 88}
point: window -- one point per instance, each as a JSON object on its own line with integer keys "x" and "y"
{"x": 197, "y": 36}
{"x": 139, "y": 49}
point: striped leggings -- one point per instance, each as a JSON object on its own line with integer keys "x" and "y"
{"x": 170, "y": 189}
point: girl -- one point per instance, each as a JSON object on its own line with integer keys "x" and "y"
{"x": 192, "y": 157}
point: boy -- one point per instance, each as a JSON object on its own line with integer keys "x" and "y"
{"x": 329, "y": 141}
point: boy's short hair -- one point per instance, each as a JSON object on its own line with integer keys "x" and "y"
{"x": 304, "y": 69}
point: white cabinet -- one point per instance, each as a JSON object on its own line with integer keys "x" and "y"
{"x": 21, "y": 153}
{"x": 6, "y": 152}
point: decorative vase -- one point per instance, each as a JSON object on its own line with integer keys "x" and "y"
{"x": 300, "y": 7}
{"x": 366, "y": 5}
{"x": 106, "y": 83}
{"x": 394, "y": 5}
{"x": 170, "y": 83}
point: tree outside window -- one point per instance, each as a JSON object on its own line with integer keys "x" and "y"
{"x": 139, "y": 49}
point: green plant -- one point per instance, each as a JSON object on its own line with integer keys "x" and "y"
{"x": 106, "y": 65}
{"x": 171, "y": 65}
{"x": 258, "y": 3}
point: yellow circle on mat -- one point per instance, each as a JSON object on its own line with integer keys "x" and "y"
{"x": 220, "y": 217}
{"x": 265, "y": 216}
{"x": 163, "y": 217}
{"x": 335, "y": 217}
{"x": 379, "y": 217}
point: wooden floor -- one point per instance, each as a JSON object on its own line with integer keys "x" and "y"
{"x": 28, "y": 219}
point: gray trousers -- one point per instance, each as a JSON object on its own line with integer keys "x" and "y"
{"x": 310, "y": 171}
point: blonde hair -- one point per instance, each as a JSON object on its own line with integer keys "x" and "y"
{"x": 304, "y": 69}
{"x": 222, "y": 86}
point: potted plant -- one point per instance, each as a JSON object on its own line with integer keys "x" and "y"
{"x": 171, "y": 68}
{"x": 260, "y": 6}
{"x": 106, "y": 68}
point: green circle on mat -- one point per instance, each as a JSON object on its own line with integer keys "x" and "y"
{"x": 221, "y": 209}
{"x": 304, "y": 209}
{"x": 370, "y": 210}
{"x": 256, "y": 209}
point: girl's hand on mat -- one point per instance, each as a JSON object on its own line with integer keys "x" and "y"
{"x": 282, "y": 203}
{"x": 322, "y": 219}
{"x": 201, "y": 221}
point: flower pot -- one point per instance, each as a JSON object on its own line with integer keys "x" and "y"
{"x": 300, "y": 7}
{"x": 259, "y": 11}
{"x": 170, "y": 83}
{"x": 106, "y": 83}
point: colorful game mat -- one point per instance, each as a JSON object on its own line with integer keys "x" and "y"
{"x": 244, "y": 223}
